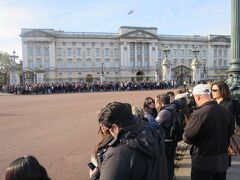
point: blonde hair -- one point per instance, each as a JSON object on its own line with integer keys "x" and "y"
{"x": 137, "y": 111}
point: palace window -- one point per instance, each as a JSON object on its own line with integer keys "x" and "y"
{"x": 219, "y": 52}
{"x": 39, "y": 63}
{"x": 215, "y": 63}
{"x": 225, "y": 52}
{"x": 88, "y": 52}
{"x": 59, "y": 51}
{"x": 220, "y": 62}
{"x": 146, "y": 49}
{"x": 60, "y": 64}
{"x": 106, "y": 52}
{"x": 215, "y": 52}
{"x": 30, "y": 51}
{"x": 116, "y": 52}
{"x": 30, "y": 63}
{"x": 38, "y": 51}
{"x": 225, "y": 63}
{"x": 46, "y": 63}
{"x": 182, "y": 52}
{"x": 69, "y": 51}
{"x": 116, "y": 63}
{"x": 78, "y": 51}
{"x": 46, "y": 51}
{"x": 98, "y": 54}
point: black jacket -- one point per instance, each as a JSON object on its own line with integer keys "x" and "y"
{"x": 136, "y": 154}
{"x": 229, "y": 106}
{"x": 209, "y": 130}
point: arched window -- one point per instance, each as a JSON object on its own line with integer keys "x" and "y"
{"x": 116, "y": 63}
{"x": 38, "y": 63}
{"x": 98, "y": 63}
{"x": 78, "y": 63}
{"x": 107, "y": 62}
{"x": 60, "y": 64}
{"x": 69, "y": 64}
{"x": 88, "y": 62}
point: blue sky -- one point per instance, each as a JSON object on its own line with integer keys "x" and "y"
{"x": 171, "y": 17}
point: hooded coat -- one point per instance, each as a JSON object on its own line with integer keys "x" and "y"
{"x": 136, "y": 153}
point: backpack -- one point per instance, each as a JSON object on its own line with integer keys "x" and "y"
{"x": 236, "y": 108}
{"x": 178, "y": 122}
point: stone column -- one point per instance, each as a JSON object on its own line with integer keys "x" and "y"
{"x": 234, "y": 70}
{"x": 143, "y": 54}
{"x": 52, "y": 55}
{"x": 122, "y": 55}
{"x": 135, "y": 62}
{"x": 25, "y": 55}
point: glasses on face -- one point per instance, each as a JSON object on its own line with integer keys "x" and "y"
{"x": 150, "y": 102}
{"x": 215, "y": 90}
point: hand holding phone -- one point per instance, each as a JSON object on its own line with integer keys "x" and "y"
{"x": 91, "y": 166}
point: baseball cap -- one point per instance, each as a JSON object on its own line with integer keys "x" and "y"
{"x": 180, "y": 96}
{"x": 201, "y": 89}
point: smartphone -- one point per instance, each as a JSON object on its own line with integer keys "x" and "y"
{"x": 91, "y": 166}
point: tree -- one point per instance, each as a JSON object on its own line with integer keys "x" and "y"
{"x": 5, "y": 62}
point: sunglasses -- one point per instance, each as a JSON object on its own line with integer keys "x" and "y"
{"x": 215, "y": 90}
{"x": 151, "y": 102}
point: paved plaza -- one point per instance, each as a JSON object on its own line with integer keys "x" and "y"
{"x": 183, "y": 173}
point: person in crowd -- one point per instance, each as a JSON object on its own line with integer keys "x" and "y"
{"x": 164, "y": 120}
{"x": 136, "y": 152}
{"x": 102, "y": 146}
{"x": 182, "y": 100}
{"x": 208, "y": 131}
{"x": 26, "y": 168}
{"x": 221, "y": 93}
{"x": 191, "y": 102}
{"x": 171, "y": 95}
{"x": 138, "y": 112}
{"x": 96, "y": 86}
{"x": 150, "y": 112}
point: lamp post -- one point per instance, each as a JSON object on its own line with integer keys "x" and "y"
{"x": 166, "y": 51}
{"x": 195, "y": 51}
{"x": 102, "y": 73}
{"x": 204, "y": 70}
{"x": 14, "y": 57}
{"x": 14, "y": 74}
{"x": 234, "y": 69}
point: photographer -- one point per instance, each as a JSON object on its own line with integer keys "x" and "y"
{"x": 136, "y": 152}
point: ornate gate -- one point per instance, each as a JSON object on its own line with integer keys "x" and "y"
{"x": 182, "y": 73}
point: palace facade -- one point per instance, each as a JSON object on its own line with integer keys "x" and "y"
{"x": 133, "y": 53}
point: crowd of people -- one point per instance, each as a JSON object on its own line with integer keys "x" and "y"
{"x": 79, "y": 87}
{"x": 140, "y": 142}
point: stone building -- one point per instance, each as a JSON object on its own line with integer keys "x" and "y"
{"x": 133, "y": 53}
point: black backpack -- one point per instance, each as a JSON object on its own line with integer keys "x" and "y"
{"x": 236, "y": 108}
{"x": 178, "y": 122}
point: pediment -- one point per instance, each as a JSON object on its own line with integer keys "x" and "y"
{"x": 139, "y": 34}
{"x": 37, "y": 33}
{"x": 220, "y": 39}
